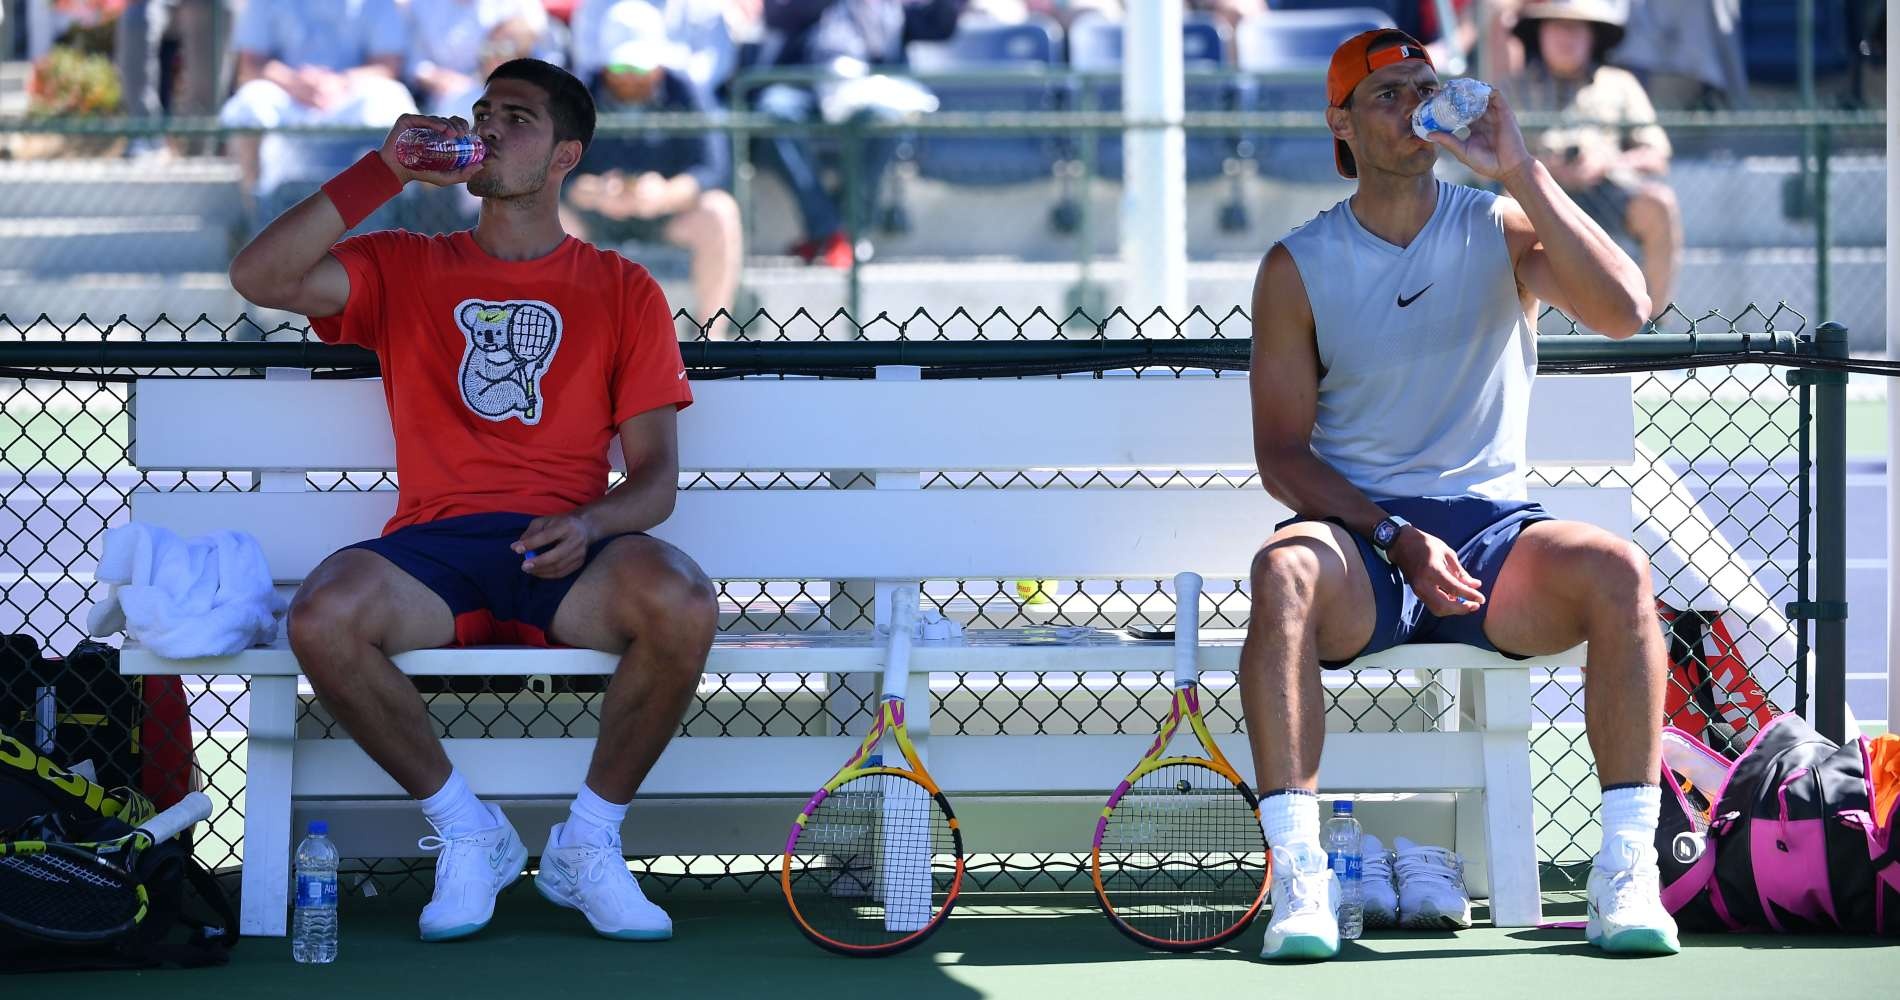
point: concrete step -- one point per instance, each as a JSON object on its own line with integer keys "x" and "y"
{"x": 53, "y": 246}
{"x": 207, "y": 188}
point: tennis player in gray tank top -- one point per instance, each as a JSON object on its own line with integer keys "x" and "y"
{"x": 1393, "y": 355}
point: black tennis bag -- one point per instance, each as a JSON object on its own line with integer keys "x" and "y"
{"x": 189, "y": 921}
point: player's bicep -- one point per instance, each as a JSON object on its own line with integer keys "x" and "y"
{"x": 324, "y": 290}
{"x": 1284, "y": 373}
{"x": 650, "y": 442}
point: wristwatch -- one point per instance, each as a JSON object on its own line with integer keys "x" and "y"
{"x": 1386, "y": 532}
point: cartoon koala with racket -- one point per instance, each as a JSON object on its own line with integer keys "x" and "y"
{"x": 509, "y": 348}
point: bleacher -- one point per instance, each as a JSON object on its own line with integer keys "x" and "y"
{"x": 112, "y": 236}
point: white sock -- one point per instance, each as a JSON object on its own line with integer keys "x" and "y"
{"x": 1290, "y": 817}
{"x": 593, "y": 821}
{"x": 454, "y": 811}
{"x": 1630, "y": 813}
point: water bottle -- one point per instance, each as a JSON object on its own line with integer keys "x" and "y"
{"x": 1456, "y": 105}
{"x": 313, "y": 921}
{"x": 1343, "y": 848}
{"x": 427, "y": 150}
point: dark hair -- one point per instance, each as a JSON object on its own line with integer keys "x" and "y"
{"x": 569, "y": 103}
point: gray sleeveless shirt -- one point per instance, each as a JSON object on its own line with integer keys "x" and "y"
{"x": 1426, "y": 357}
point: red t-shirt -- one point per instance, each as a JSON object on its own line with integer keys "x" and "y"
{"x": 507, "y": 381}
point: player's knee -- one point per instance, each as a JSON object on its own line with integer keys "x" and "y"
{"x": 1616, "y": 573}
{"x": 1287, "y": 573}
{"x": 678, "y": 602}
{"x": 321, "y": 617}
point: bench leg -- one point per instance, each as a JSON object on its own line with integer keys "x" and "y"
{"x": 1510, "y": 838}
{"x": 272, "y": 735}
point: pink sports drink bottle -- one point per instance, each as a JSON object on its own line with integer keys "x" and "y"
{"x": 430, "y": 151}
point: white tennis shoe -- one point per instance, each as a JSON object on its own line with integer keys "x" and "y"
{"x": 1305, "y": 895}
{"x": 1627, "y": 916}
{"x": 1378, "y": 892}
{"x": 470, "y": 872}
{"x": 1431, "y": 884}
{"x": 594, "y": 880}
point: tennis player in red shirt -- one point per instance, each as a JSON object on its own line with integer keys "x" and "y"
{"x": 513, "y": 355}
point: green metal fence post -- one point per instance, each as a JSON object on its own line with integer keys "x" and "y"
{"x": 1822, "y": 149}
{"x": 1830, "y": 543}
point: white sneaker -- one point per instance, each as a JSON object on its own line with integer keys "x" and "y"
{"x": 469, "y": 873}
{"x": 1431, "y": 884}
{"x": 1378, "y": 893}
{"x": 594, "y": 880}
{"x": 1626, "y": 911}
{"x": 1305, "y": 897}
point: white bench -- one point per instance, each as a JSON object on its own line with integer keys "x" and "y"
{"x": 735, "y": 794}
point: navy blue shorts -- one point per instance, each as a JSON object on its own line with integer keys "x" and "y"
{"x": 1479, "y": 529}
{"x": 469, "y": 563}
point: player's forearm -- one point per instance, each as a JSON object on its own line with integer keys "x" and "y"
{"x": 1600, "y": 281}
{"x": 643, "y": 501}
{"x": 1311, "y": 488}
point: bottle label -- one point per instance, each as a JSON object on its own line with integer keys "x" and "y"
{"x": 315, "y": 890}
{"x": 1345, "y": 866}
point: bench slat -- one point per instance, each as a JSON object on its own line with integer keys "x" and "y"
{"x": 189, "y": 424}
{"x": 791, "y": 657}
{"x": 864, "y": 534}
{"x": 768, "y": 765}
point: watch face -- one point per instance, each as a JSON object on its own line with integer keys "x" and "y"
{"x": 1382, "y": 534}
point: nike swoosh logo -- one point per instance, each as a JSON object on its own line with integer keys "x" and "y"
{"x": 1403, "y": 301}
{"x": 499, "y": 856}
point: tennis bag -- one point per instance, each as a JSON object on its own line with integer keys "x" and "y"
{"x": 188, "y": 920}
{"x": 1797, "y": 834}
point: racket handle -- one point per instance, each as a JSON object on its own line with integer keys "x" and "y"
{"x": 897, "y": 655}
{"x": 190, "y": 811}
{"x": 1187, "y": 628}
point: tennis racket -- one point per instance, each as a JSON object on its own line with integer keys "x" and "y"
{"x": 83, "y": 892}
{"x": 530, "y": 337}
{"x": 1179, "y": 859}
{"x": 874, "y": 861}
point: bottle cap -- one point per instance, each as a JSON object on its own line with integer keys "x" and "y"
{"x": 1342, "y": 807}
{"x": 319, "y": 828}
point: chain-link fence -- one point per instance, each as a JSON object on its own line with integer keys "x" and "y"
{"x": 1725, "y": 487}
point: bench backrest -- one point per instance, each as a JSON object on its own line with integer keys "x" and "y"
{"x": 282, "y": 428}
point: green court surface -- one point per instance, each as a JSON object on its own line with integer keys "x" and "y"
{"x": 1044, "y": 947}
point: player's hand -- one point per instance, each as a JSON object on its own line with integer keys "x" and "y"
{"x": 553, "y": 547}
{"x": 442, "y": 126}
{"x": 1436, "y": 576}
{"x": 648, "y": 196}
{"x": 1495, "y": 148}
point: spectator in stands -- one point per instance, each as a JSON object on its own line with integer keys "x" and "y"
{"x": 199, "y": 27}
{"x": 1063, "y": 12}
{"x": 1687, "y": 52}
{"x": 704, "y": 53}
{"x": 333, "y": 63}
{"x": 459, "y": 42}
{"x": 1610, "y": 154}
{"x": 660, "y": 185}
{"x": 845, "y": 37}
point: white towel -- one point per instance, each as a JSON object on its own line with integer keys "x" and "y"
{"x": 185, "y": 598}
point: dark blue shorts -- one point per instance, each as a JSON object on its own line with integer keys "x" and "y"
{"x": 1479, "y": 529}
{"x": 469, "y": 563}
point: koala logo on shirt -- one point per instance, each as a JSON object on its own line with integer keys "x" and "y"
{"x": 510, "y": 347}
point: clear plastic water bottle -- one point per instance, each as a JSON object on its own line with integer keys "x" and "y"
{"x": 1456, "y": 105}
{"x": 313, "y": 920}
{"x": 1343, "y": 846}
{"x": 428, "y": 150}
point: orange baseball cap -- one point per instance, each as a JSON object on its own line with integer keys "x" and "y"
{"x": 1359, "y": 57}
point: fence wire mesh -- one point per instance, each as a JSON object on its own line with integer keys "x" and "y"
{"x": 1718, "y": 486}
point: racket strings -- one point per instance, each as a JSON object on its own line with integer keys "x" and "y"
{"x": 54, "y": 892}
{"x": 1182, "y": 857}
{"x": 875, "y": 862}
